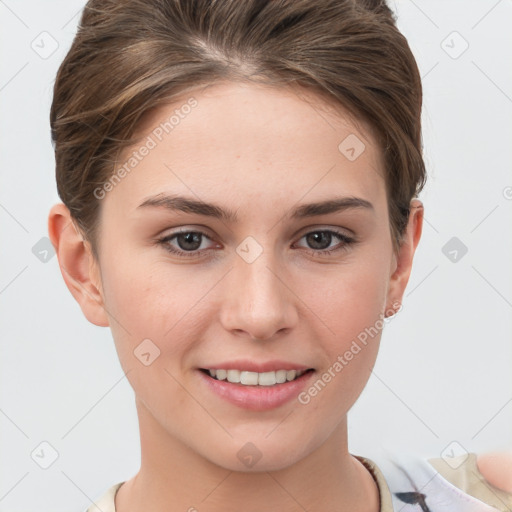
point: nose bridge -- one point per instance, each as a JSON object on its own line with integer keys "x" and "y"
{"x": 260, "y": 303}
{"x": 255, "y": 270}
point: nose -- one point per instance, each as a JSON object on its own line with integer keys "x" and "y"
{"x": 259, "y": 302}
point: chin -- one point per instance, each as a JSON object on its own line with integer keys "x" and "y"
{"x": 258, "y": 455}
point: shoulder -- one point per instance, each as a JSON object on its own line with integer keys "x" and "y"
{"x": 446, "y": 483}
{"x": 106, "y": 502}
{"x": 496, "y": 468}
{"x": 487, "y": 476}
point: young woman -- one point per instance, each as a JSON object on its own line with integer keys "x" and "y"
{"x": 239, "y": 184}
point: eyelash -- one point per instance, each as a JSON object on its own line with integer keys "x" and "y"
{"x": 347, "y": 242}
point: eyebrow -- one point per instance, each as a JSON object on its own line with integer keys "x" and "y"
{"x": 190, "y": 205}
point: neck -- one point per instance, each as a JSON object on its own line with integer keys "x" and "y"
{"x": 172, "y": 477}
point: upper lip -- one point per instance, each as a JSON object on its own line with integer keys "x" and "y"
{"x": 253, "y": 366}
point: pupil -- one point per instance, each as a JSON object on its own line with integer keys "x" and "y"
{"x": 189, "y": 238}
{"x": 314, "y": 238}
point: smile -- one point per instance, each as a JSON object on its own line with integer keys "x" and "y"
{"x": 256, "y": 391}
{"x": 247, "y": 378}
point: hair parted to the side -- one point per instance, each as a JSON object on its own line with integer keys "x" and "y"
{"x": 130, "y": 56}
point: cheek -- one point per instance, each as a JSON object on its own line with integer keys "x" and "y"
{"x": 151, "y": 307}
{"x": 347, "y": 300}
{"x": 148, "y": 301}
{"x": 351, "y": 316}
{"x": 348, "y": 306}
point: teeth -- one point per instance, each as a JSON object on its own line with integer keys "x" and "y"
{"x": 267, "y": 378}
{"x": 248, "y": 378}
{"x": 281, "y": 376}
{"x": 254, "y": 378}
{"x": 233, "y": 376}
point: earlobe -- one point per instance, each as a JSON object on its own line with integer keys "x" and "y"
{"x": 402, "y": 261}
{"x": 77, "y": 264}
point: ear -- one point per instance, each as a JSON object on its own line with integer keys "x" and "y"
{"x": 402, "y": 261}
{"x": 78, "y": 266}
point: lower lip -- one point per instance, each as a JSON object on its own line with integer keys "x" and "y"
{"x": 257, "y": 398}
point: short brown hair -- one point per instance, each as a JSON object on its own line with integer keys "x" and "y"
{"x": 130, "y": 56}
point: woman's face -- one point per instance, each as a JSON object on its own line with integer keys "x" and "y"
{"x": 258, "y": 279}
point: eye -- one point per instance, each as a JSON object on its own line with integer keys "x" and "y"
{"x": 189, "y": 244}
{"x": 320, "y": 240}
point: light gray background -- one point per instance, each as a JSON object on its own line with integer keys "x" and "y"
{"x": 442, "y": 382}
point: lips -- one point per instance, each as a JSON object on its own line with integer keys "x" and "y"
{"x": 256, "y": 385}
{"x": 249, "y": 365}
{"x": 256, "y": 397}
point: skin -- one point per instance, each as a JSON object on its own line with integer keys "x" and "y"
{"x": 259, "y": 151}
{"x": 496, "y": 467}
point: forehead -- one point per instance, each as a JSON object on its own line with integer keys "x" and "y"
{"x": 231, "y": 138}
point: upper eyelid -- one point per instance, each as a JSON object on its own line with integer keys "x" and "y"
{"x": 303, "y": 231}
